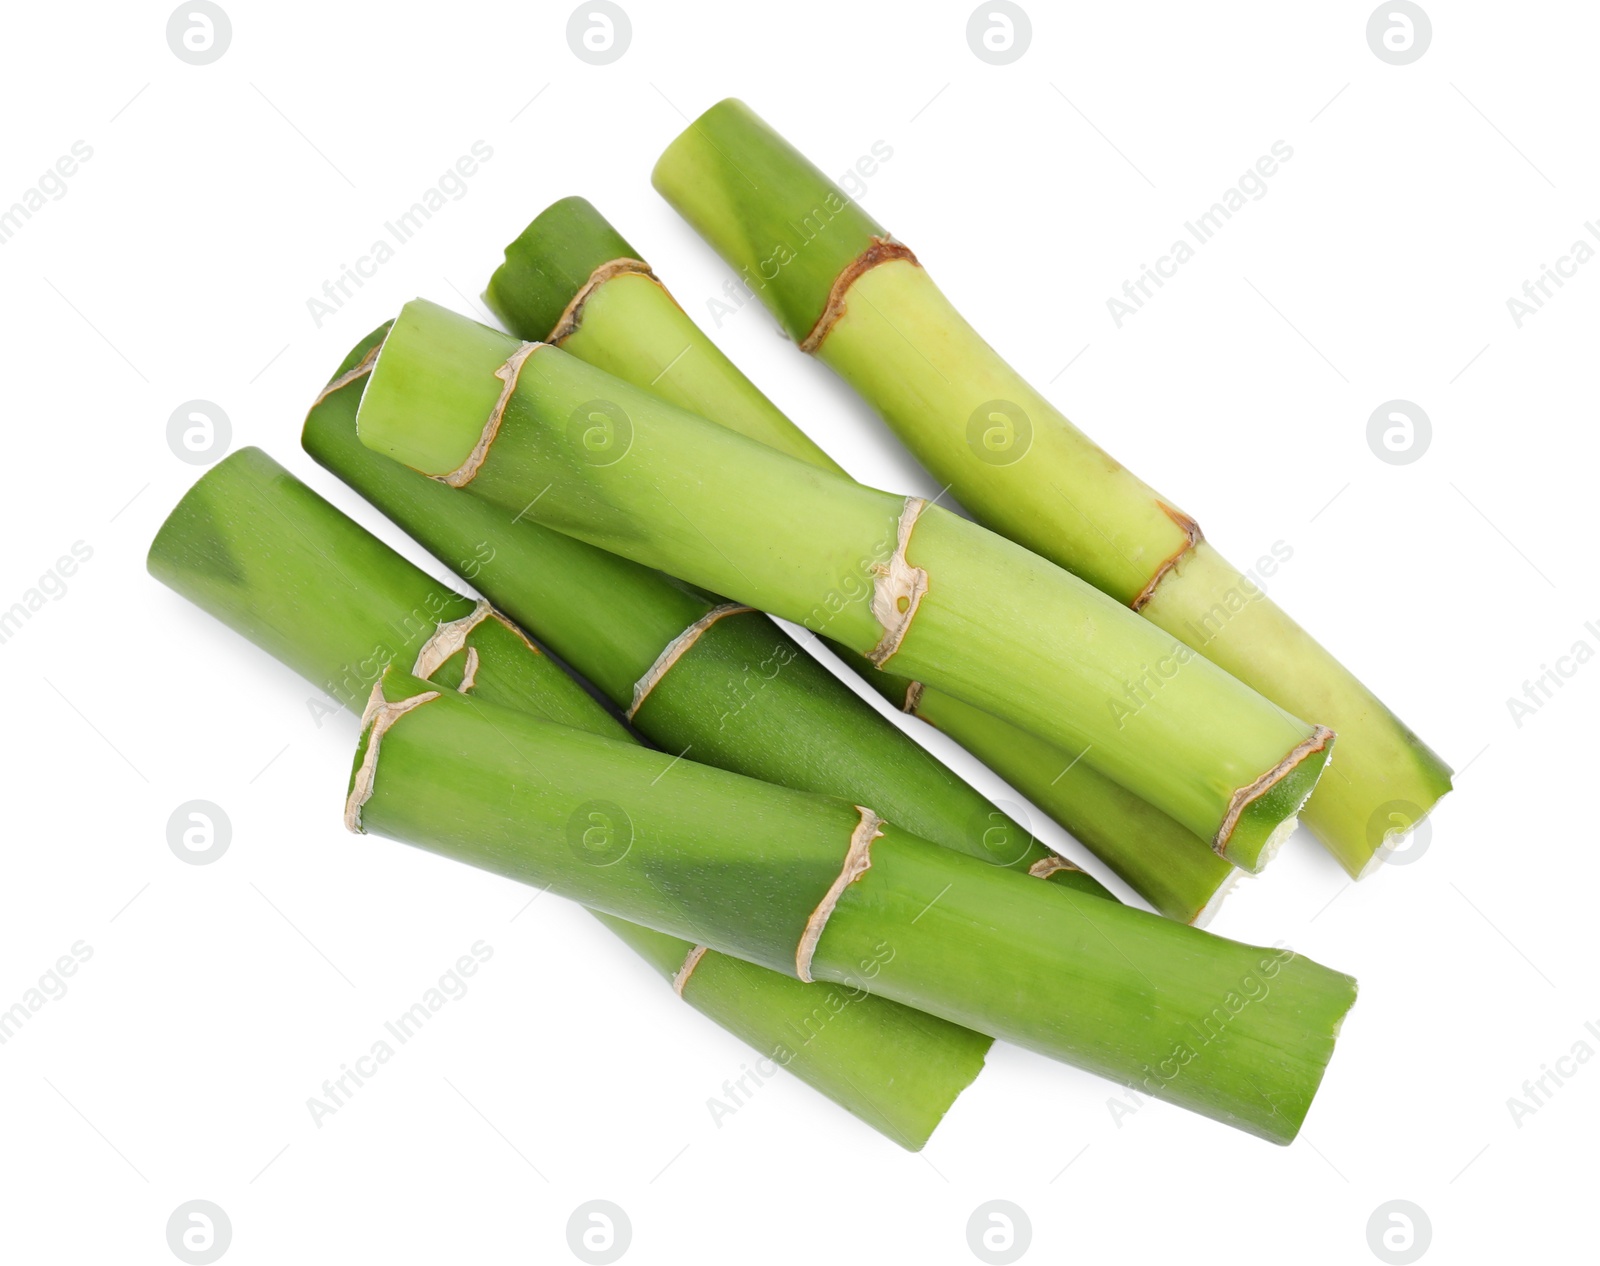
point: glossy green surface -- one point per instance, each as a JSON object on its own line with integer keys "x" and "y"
{"x": 548, "y": 264}
{"x": 1022, "y": 468}
{"x": 998, "y": 627}
{"x": 744, "y": 696}
{"x": 604, "y": 615}
{"x": 784, "y": 227}
{"x": 739, "y": 864}
{"x": 1170, "y": 867}
{"x": 1383, "y": 779}
{"x": 631, "y": 327}
{"x": 259, "y": 550}
{"x": 643, "y": 835}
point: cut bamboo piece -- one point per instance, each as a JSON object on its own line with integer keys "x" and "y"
{"x": 539, "y": 433}
{"x": 253, "y": 546}
{"x": 571, "y": 279}
{"x": 845, "y": 291}
{"x": 826, "y": 890}
{"x": 725, "y": 686}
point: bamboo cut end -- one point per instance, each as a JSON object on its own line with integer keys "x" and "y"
{"x": 436, "y": 390}
{"x": 786, "y": 229}
{"x": 1207, "y": 912}
{"x": 550, "y": 263}
{"x": 1397, "y": 835}
{"x": 1263, "y": 814}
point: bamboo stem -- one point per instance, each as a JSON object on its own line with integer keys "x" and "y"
{"x": 560, "y": 283}
{"x": 826, "y": 890}
{"x": 862, "y": 303}
{"x": 256, "y": 548}
{"x": 742, "y": 695}
{"x": 538, "y": 432}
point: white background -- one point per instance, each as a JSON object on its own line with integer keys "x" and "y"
{"x": 177, "y": 266}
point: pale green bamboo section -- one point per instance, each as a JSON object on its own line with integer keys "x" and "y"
{"x": 570, "y": 271}
{"x": 1386, "y": 779}
{"x": 1124, "y": 535}
{"x": 689, "y": 369}
{"x": 541, "y": 434}
{"x": 560, "y": 283}
{"x": 864, "y": 305}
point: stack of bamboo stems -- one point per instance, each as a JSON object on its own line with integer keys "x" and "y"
{"x": 774, "y": 845}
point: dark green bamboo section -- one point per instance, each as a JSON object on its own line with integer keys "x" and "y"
{"x": 560, "y": 283}
{"x": 819, "y": 887}
{"x": 744, "y": 696}
{"x": 862, "y": 303}
{"x": 541, "y": 434}
{"x": 253, "y": 546}
{"x": 1169, "y": 867}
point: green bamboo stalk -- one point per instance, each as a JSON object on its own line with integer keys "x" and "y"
{"x": 826, "y": 890}
{"x": 256, "y": 548}
{"x": 742, "y": 696}
{"x": 860, "y": 301}
{"x": 1168, "y": 866}
{"x": 571, "y": 279}
{"x": 534, "y": 430}
{"x": 570, "y": 271}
